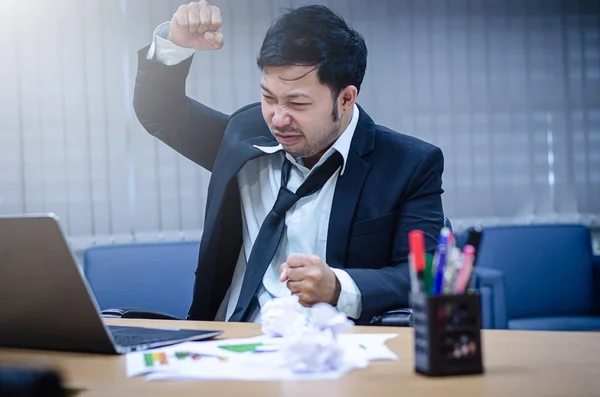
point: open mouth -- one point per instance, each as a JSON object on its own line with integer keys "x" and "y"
{"x": 286, "y": 139}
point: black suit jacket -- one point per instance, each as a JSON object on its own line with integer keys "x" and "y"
{"x": 392, "y": 184}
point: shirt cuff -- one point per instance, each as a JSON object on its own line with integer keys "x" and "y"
{"x": 350, "y": 300}
{"x": 165, "y": 51}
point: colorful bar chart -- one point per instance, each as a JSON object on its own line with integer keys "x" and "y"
{"x": 151, "y": 358}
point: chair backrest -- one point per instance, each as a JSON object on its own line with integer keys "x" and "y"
{"x": 150, "y": 276}
{"x": 547, "y": 268}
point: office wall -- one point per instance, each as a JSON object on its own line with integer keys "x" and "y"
{"x": 509, "y": 89}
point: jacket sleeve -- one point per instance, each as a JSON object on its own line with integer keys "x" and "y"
{"x": 389, "y": 287}
{"x": 165, "y": 111}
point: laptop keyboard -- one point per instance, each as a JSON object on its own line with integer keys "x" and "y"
{"x": 133, "y": 336}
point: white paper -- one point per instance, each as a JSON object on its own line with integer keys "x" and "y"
{"x": 263, "y": 359}
{"x": 293, "y": 346}
{"x": 281, "y": 317}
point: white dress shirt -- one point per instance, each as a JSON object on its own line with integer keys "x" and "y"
{"x": 259, "y": 181}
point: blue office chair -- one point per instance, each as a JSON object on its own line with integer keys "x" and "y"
{"x": 540, "y": 277}
{"x": 156, "y": 278}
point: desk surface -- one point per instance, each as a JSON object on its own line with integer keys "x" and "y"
{"x": 516, "y": 363}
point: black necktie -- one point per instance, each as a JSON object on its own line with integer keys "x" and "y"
{"x": 272, "y": 229}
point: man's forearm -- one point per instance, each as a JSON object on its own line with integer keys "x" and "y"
{"x": 163, "y": 108}
{"x": 381, "y": 289}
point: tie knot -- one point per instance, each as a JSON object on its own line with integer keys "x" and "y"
{"x": 315, "y": 181}
{"x": 285, "y": 200}
{"x": 319, "y": 176}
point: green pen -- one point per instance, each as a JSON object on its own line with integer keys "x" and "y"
{"x": 428, "y": 274}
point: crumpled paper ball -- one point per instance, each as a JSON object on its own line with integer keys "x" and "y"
{"x": 281, "y": 316}
{"x": 324, "y": 316}
{"x": 315, "y": 347}
{"x": 308, "y": 345}
{"x": 312, "y": 350}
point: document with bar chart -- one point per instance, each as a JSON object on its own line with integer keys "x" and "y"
{"x": 258, "y": 358}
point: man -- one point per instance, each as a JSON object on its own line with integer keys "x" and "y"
{"x": 308, "y": 196}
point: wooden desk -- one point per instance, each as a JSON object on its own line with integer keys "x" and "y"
{"x": 516, "y": 363}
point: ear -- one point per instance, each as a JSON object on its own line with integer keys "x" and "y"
{"x": 347, "y": 98}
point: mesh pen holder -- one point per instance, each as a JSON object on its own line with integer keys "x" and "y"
{"x": 447, "y": 334}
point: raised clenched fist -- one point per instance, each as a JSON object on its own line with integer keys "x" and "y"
{"x": 196, "y": 25}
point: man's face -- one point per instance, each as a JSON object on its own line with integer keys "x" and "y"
{"x": 299, "y": 110}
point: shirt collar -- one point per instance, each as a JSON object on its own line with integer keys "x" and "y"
{"x": 342, "y": 144}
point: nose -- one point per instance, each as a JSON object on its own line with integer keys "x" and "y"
{"x": 280, "y": 118}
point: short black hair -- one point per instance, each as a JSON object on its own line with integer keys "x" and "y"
{"x": 316, "y": 36}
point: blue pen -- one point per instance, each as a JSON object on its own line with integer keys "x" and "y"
{"x": 439, "y": 262}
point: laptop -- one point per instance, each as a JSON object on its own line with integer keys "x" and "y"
{"x": 46, "y": 302}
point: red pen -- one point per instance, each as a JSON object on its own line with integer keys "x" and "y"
{"x": 416, "y": 245}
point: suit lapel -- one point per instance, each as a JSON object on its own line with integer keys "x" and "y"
{"x": 230, "y": 160}
{"x": 348, "y": 190}
{"x": 240, "y": 153}
{"x": 233, "y": 158}
{"x": 217, "y": 260}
